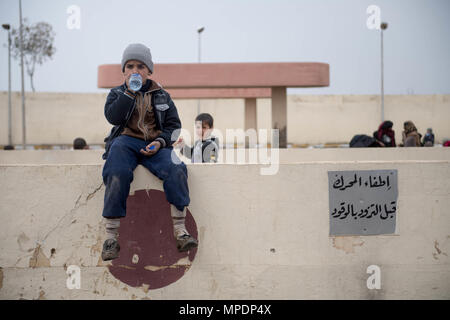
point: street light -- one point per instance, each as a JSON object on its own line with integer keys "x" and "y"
{"x": 21, "y": 68}
{"x": 7, "y": 27}
{"x": 199, "y": 31}
{"x": 383, "y": 26}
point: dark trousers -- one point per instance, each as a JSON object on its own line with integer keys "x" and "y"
{"x": 123, "y": 158}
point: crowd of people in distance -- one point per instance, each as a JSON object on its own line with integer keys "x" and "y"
{"x": 385, "y": 137}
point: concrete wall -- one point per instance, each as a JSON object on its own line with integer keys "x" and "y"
{"x": 57, "y": 118}
{"x": 315, "y": 119}
{"x": 260, "y": 237}
{"x": 284, "y": 155}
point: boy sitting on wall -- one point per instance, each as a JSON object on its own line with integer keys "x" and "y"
{"x": 144, "y": 120}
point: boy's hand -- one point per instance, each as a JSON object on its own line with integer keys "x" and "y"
{"x": 179, "y": 143}
{"x": 127, "y": 81}
{"x": 151, "y": 149}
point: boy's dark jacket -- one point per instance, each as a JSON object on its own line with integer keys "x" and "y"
{"x": 120, "y": 105}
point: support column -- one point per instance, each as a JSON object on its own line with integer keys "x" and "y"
{"x": 279, "y": 114}
{"x": 250, "y": 116}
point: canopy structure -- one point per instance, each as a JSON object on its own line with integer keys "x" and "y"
{"x": 233, "y": 80}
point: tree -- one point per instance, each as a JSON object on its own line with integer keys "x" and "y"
{"x": 37, "y": 43}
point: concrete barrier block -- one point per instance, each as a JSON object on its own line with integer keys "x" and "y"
{"x": 260, "y": 237}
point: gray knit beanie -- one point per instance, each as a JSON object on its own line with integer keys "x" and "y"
{"x": 137, "y": 51}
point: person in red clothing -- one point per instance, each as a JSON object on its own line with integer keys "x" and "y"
{"x": 385, "y": 134}
{"x": 446, "y": 143}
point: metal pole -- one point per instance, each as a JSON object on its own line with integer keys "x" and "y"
{"x": 9, "y": 91}
{"x": 382, "y": 79}
{"x": 21, "y": 67}
{"x": 199, "y": 46}
{"x": 200, "y": 30}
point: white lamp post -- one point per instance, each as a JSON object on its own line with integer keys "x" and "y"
{"x": 21, "y": 68}
{"x": 199, "y": 31}
{"x": 383, "y": 26}
{"x": 7, "y": 27}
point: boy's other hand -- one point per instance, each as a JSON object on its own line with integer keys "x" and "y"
{"x": 151, "y": 149}
{"x": 179, "y": 143}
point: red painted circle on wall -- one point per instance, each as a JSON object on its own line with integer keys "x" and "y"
{"x": 148, "y": 253}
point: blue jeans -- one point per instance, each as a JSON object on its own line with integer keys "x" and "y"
{"x": 123, "y": 158}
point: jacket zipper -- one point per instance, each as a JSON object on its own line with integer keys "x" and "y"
{"x": 158, "y": 113}
{"x": 134, "y": 107}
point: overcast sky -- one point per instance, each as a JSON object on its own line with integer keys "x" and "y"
{"x": 417, "y": 42}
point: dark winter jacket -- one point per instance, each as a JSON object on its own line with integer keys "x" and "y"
{"x": 363, "y": 141}
{"x": 121, "y": 103}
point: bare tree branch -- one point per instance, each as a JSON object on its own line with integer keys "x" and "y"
{"x": 37, "y": 44}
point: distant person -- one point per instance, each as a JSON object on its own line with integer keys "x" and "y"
{"x": 410, "y": 136}
{"x": 80, "y": 144}
{"x": 385, "y": 134}
{"x": 206, "y": 148}
{"x": 446, "y": 143}
{"x": 428, "y": 139}
{"x": 8, "y": 147}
